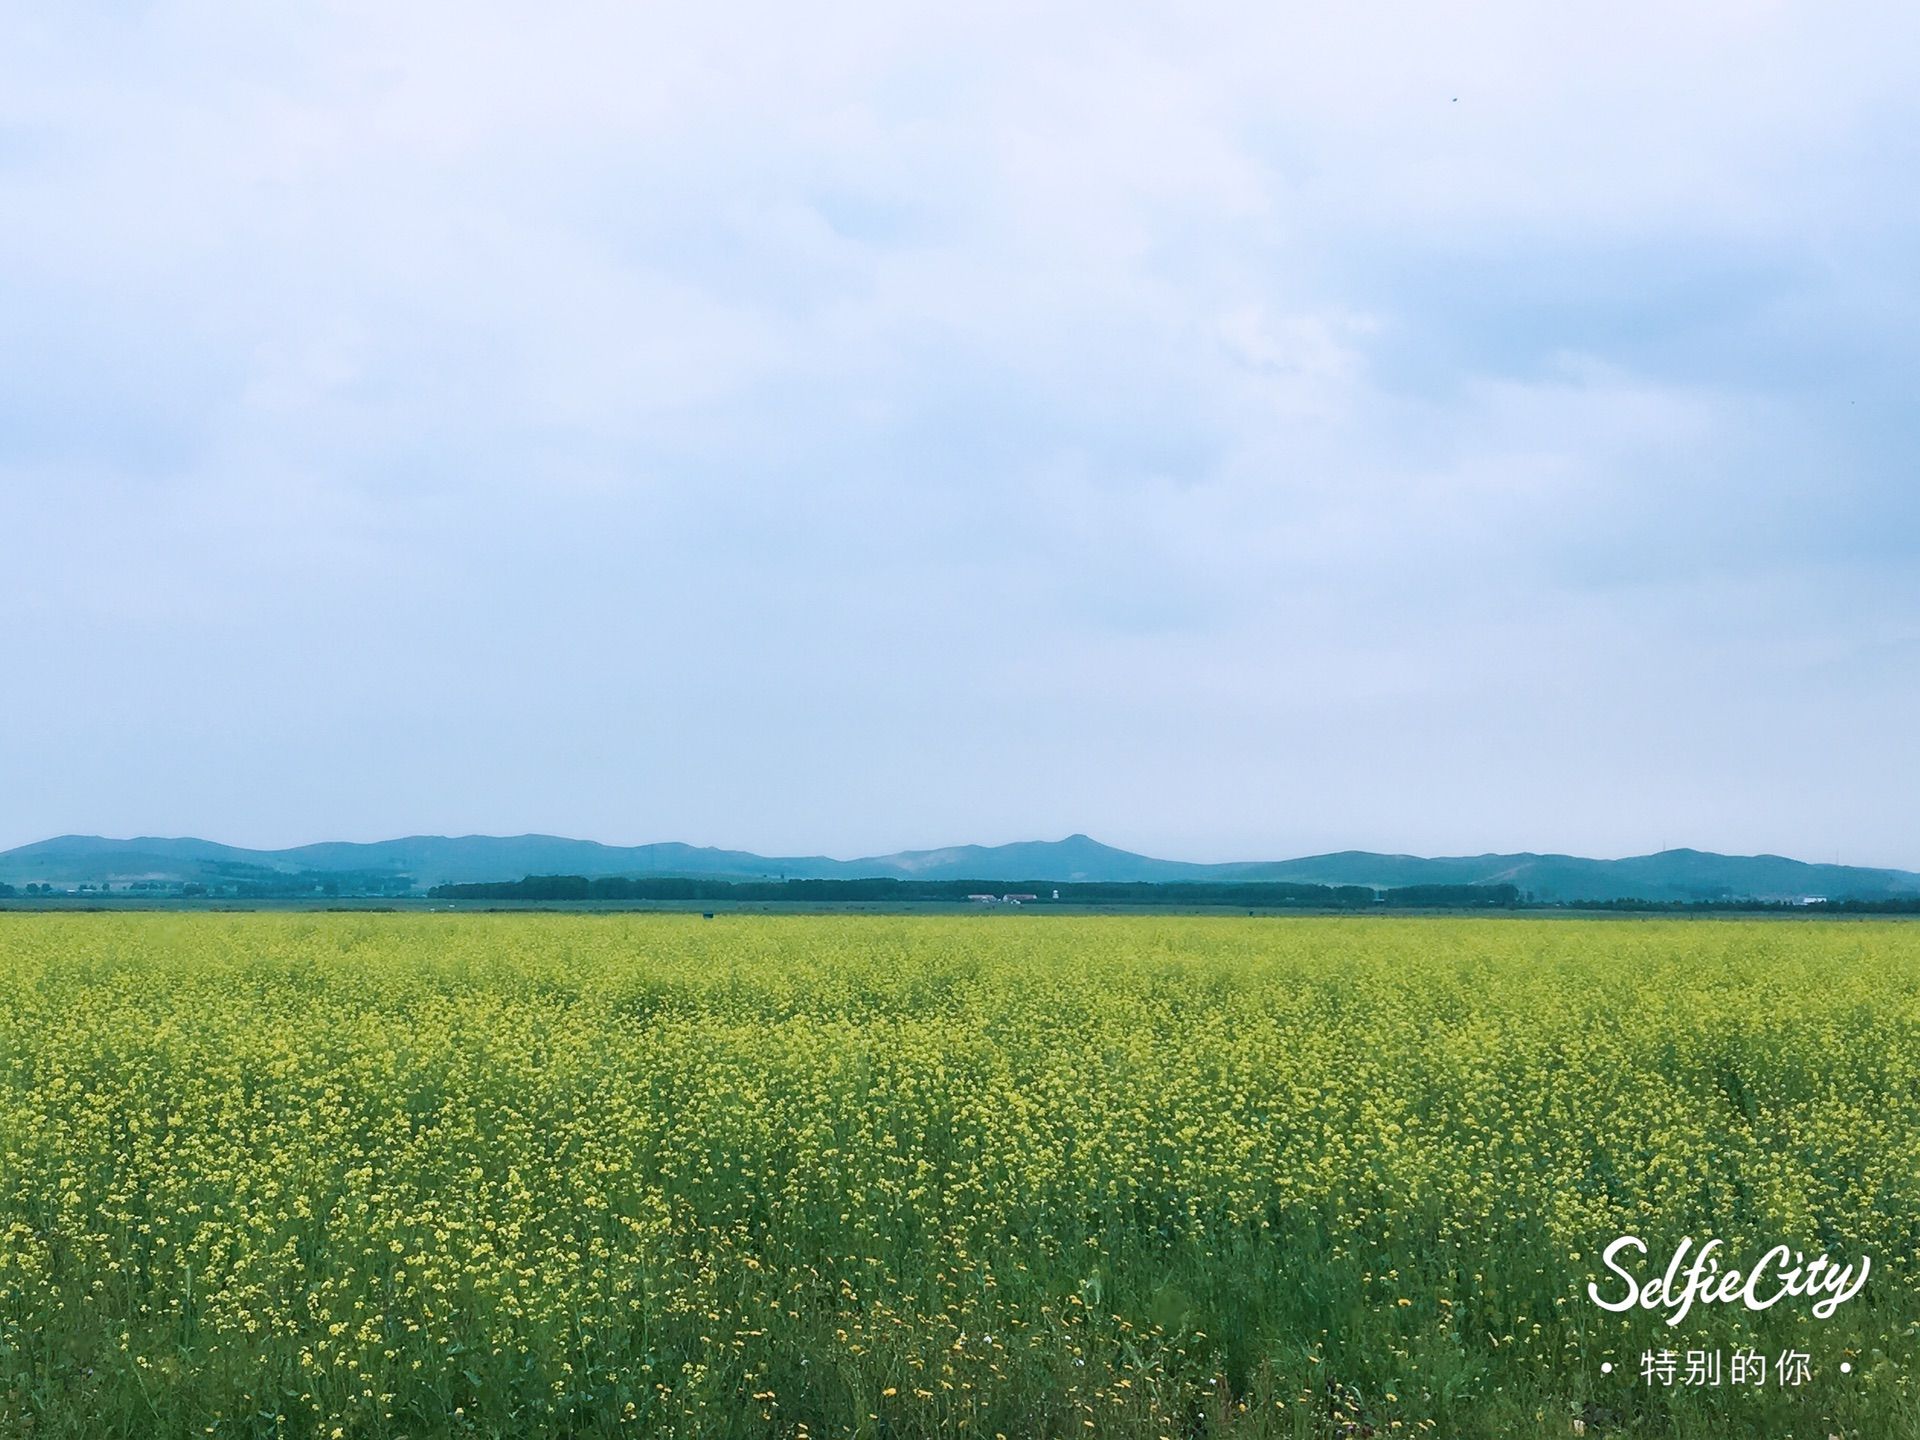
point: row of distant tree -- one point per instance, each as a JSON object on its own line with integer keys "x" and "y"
{"x": 1249, "y": 895}
{"x": 1246, "y": 895}
{"x": 1904, "y": 905}
{"x": 256, "y": 885}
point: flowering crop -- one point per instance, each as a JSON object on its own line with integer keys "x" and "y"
{"x": 424, "y": 1175}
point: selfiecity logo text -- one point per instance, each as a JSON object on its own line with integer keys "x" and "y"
{"x": 1781, "y": 1273}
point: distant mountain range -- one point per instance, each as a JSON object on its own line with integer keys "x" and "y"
{"x": 421, "y": 861}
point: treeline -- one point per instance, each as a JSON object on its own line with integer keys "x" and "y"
{"x": 1906, "y": 905}
{"x": 1249, "y": 895}
{"x": 248, "y": 883}
{"x": 1246, "y": 895}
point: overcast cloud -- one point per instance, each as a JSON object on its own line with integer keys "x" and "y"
{"x": 1235, "y": 432}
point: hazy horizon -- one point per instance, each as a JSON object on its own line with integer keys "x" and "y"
{"x": 936, "y": 848}
{"x": 1229, "y": 435}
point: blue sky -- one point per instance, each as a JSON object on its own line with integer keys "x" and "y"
{"x": 1233, "y": 434}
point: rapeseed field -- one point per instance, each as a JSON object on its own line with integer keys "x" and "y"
{"x": 428, "y": 1175}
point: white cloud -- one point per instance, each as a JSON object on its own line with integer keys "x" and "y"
{"x": 1253, "y": 397}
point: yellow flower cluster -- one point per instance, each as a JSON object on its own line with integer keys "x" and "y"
{"x": 425, "y": 1175}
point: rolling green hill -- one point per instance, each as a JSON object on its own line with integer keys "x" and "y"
{"x": 421, "y": 861}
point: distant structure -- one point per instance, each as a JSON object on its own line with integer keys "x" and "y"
{"x": 1006, "y": 899}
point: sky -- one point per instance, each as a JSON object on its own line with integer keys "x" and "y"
{"x": 1234, "y": 431}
